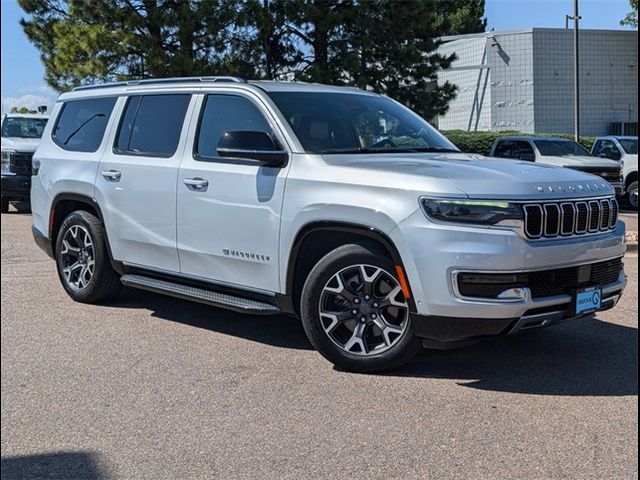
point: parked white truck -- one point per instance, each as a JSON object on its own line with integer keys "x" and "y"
{"x": 625, "y": 151}
{"x": 20, "y": 137}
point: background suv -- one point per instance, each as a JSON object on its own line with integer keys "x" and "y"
{"x": 20, "y": 137}
{"x": 333, "y": 204}
{"x": 559, "y": 152}
{"x": 625, "y": 151}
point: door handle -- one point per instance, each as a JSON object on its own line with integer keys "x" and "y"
{"x": 111, "y": 175}
{"x": 196, "y": 183}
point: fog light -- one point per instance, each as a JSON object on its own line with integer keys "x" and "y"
{"x": 514, "y": 294}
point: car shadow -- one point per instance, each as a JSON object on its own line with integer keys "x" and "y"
{"x": 56, "y": 465}
{"x": 585, "y": 357}
{"x": 275, "y": 330}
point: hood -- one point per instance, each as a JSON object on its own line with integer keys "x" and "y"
{"x": 20, "y": 144}
{"x": 477, "y": 176}
{"x": 573, "y": 161}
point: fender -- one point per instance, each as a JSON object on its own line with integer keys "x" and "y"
{"x": 339, "y": 226}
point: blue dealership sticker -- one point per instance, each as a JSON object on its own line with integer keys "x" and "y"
{"x": 588, "y": 299}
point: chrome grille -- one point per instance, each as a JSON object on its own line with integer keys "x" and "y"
{"x": 551, "y": 219}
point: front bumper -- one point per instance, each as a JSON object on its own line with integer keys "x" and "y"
{"x": 558, "y": 309}
{"x": 432, "y": 253}
{"x": 16, "y": 187}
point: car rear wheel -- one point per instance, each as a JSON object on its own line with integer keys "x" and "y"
{"x": 355, "y": 313}
{"x": 83, "y": 260}
{"x": 632, "y": 195}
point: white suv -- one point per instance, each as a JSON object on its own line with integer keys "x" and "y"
{"x": 333, "y": 204}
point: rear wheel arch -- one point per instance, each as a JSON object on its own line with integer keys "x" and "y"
{"x": 66, "y": 203}
{"x": 316, "y": 239}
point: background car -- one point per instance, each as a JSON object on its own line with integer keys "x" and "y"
{"x": 20, "y": 137}
{"x": 560, "y": 152}
{"x": 624, "y": 150}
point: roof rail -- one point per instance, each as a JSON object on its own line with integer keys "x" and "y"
{"x": 164, "y": 81}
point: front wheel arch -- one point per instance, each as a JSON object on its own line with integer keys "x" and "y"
{"x": 316, "y": 239}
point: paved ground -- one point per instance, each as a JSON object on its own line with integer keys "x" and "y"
{"x": 152, "y": 387}
{"x": 631, "y": 220}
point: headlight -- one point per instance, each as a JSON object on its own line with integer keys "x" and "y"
{"x": 6, "y": 161}
{"x": 479, "y": 212}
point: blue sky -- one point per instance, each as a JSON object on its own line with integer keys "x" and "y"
{"x": 22, "y": 71}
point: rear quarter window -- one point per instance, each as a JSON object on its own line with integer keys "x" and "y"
{"x": 81, "y": 124}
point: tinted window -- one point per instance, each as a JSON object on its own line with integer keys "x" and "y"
{"x": 356, "y": 123}
{"x": 151, "y": 125}
{"x": 81, "y": 124}
{"x": 523, "y": 150}
{"x": 560, "y": 148}
{"x": 630, "y": 145}
{"x": 227, "y": 113}
{"x": 503, "y": 149}
{"x": 23, "y": 127}
{"x": 608, "y": 149}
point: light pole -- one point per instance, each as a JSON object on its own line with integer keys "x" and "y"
{"x": 576, "y": 69}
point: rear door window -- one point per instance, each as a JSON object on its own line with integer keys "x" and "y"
{"x": 81, "y": 124}
{"x": 151, "y": 125}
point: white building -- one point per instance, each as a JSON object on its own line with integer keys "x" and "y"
{"x": 523, "y": 80}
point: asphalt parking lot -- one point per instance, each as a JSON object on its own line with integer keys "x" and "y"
{"x": 153, "y": 387}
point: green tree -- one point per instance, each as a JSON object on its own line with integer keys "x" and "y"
{"x": 21, "y": 110}
{"x": 457, "y": 17}
{"x": 87, "y": 41}
{"x": 392, "y": 49}
{"x": 385, "y": 46}
{"x": 632, "y": 17}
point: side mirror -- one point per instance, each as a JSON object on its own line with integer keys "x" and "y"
{"x": 252, "y": 145}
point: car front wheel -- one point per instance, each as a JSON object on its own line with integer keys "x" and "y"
{"x": 355, "y": 313}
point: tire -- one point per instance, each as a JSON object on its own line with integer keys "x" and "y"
{"x": 357, "y": 342}
{"x": 4, "y": 206}
{"x": 23, "y": 206}
{"x": 632, "y": 195}
{"x": 82, "y": 242}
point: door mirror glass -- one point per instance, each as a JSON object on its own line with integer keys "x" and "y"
{"x": 253, "y": 145}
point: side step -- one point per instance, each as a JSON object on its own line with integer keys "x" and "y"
{"x": 201, "y": 295}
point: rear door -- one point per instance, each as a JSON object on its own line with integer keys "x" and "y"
{"x": 229, "y": 221}
{"x": 136, "y": 180}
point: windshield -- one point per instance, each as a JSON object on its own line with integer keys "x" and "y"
{"x": 356, "y": 123}
{"x": 23, "y": 127}
{"x": 629, "y": 145}
{"x": 560, "y": 148}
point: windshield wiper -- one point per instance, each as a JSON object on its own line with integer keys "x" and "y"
{"x": 82, "y": 126}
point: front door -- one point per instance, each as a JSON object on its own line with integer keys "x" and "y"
{"x": 229, "y": 209}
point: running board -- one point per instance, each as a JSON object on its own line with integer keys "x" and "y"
{"x": 200, "y": 295}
